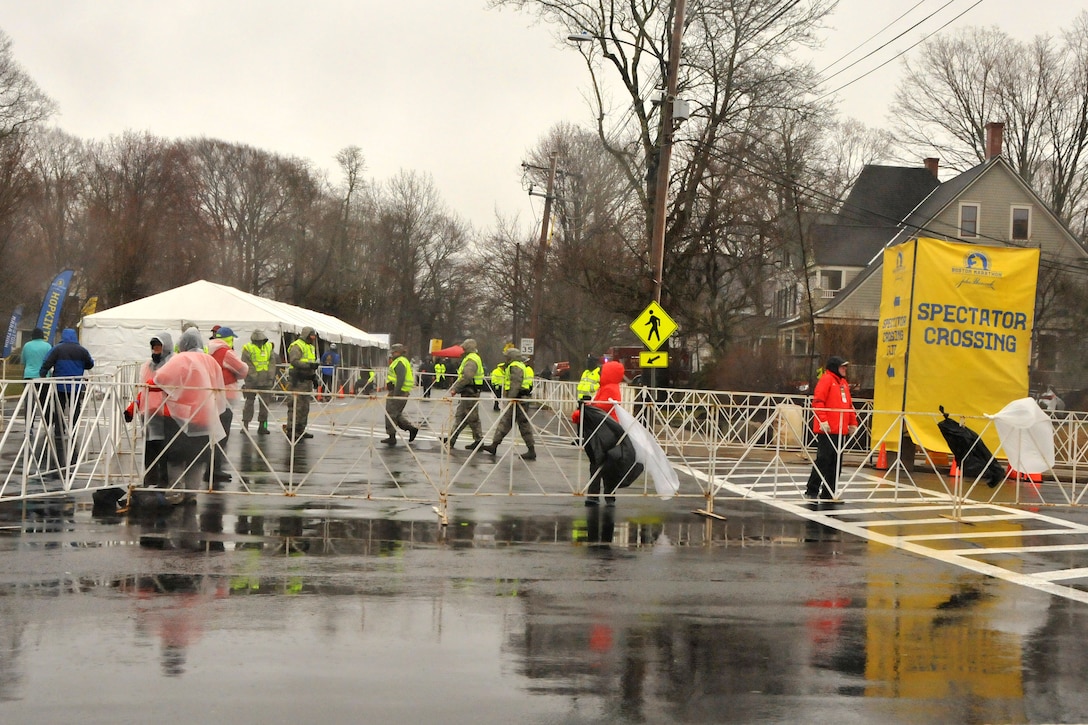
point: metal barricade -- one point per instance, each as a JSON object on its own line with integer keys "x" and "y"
{"x": 49, "y": 444}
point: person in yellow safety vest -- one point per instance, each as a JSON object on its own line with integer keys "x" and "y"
{"x": 591, "y": 378}
{"x": 399, "y": 382}
{"x": 498, "y": 381}
{"x": 302, "y": 357}
{"x": 257, "y": 353}
{"x": 440, "y": 373}
{"x": 365, "y": 384}
{"x": 470, "y": 380}
{"x": 518, "y": 385}
{"x": 530, "y": 376}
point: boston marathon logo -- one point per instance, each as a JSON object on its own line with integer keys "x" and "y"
{"x": 976, "y": 270}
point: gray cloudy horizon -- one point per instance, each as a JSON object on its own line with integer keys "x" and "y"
{"x": 447, "y": 89}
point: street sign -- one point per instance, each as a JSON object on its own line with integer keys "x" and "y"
{"x": 436, "y": 344}
{"x": 527, "y": 346}
{"x": 653, "y": 359}
{"x": 653, "y": 326}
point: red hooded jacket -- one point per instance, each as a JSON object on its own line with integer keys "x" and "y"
{"x": 832, "y": 404}
{"x": 611, "y": 377}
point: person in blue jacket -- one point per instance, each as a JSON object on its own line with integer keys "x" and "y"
{"x": 329, "y": 362}
{"x": 67, "y": 362}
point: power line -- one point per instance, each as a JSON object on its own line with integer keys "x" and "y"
{"x": 899, "y": 54}
{"x": 863, "y": 43}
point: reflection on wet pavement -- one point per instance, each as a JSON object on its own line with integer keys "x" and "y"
{"x": 274, "y": 610}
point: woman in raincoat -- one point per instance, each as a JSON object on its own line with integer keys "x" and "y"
{"x": 195, "y": 397}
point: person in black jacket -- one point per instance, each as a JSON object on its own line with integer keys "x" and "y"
{"x": 611, "y": 453}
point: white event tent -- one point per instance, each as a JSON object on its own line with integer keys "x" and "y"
{"x": 121, "y": 334}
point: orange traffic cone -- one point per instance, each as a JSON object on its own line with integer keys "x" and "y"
{"x": 319, "y": 397}
{"x": 1017, "y": 476}
{"x": 340, "y": 394}
{"x": 954, "y": 470}
{"x": 882, "y": 458}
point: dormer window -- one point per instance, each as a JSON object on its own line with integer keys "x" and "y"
{"x": 968, "y": 221}
{"x": 1021, "y": 223}
{"x": 831, "y": 279}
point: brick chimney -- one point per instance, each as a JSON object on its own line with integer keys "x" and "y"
{"x": 932, "y": 166}
{"x": 995, "y": 132}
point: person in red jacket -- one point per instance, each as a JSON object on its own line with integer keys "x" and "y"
{"x": 833, "y": 418}
{"x": 609, "y": 389}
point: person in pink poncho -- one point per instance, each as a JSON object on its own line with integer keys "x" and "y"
{"x": 196, "y": 398}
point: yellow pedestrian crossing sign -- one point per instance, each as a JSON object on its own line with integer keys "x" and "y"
{"x": 648, "y": 359}
{"x": 653, "y": 326}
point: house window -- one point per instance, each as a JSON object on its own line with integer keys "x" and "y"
{"x": 1021, "y": 223}
{"x": 785, "y": 303}
{"x": 831, "y": 279}
{"x": 968, "y": 220}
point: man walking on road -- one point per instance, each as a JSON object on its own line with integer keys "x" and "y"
{"x": 398, "y": 383}
{"x": 516, "y": 384}
{"x": 470, "y": 380}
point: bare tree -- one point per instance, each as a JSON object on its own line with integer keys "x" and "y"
{"x": 417, "y": 281}
{"x": 139, "y": 217}
{"x": 957, "y": 83}
{"x": 58, "y": 163}
{"x": 243, "y": 195}
{"x": 22, "y": 104}
{"x": 23, "y": 108}
{"x": 736, "y": 72}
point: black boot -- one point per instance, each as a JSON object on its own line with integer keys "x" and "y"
{"x": 390, "y": 441}
{"x": 529, "y": 455}
{"x": 412, "y": 433}
{"x": 473, "y": 445}
{"x": 492, "y": 449}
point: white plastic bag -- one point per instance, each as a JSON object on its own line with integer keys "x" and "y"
{"x": 649, "y": 453}
{"x": 1027, "y": 436}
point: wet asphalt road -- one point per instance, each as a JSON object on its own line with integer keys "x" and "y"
{"x": 278, "y": 610}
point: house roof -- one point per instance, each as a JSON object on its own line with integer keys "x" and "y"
{"x": 941, "y": 197}
{"x": 884, "y": 195}
{"x": 918, "y": 222}
{"x": 842, "y": 245}
{"x": 881, "y": 197}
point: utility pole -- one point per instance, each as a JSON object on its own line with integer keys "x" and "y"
{"x": 516, "y": 297}
{"x": 541, "y": 250}
{"x": 664, "y": 159}
{"x": 664, "y": 152}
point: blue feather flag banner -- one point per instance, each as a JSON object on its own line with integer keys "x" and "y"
{"x": 49, "y": 317}
{"x": 13, "y": 328}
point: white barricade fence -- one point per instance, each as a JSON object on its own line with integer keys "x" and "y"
{"x": 55, "y": 440}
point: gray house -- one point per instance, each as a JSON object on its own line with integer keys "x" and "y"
{"x": 989, "y": 204}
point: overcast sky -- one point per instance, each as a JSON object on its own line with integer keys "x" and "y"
{"x": 443, "y": 87}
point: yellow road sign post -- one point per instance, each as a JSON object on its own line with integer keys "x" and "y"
{"x": 653, "y": 326}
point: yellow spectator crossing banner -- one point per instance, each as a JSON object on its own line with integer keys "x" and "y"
{"x": 955, "y": 330}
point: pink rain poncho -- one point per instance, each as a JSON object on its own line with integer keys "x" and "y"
{"x": 193, "y": 383}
